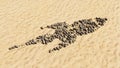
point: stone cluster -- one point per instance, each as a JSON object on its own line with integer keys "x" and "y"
{"x": 66, "y": 33}
{"x": 78, "y": 28}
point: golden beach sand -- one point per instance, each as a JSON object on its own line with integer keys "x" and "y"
{"x": 20, "y": 21}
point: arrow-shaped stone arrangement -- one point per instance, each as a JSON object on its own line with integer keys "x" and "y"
{"x": 66, "y": 33}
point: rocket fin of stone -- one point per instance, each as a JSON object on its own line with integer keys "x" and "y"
{"x": 67, "y": 34}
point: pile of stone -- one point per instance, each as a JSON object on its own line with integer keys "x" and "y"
{"x": 67, "y": 33}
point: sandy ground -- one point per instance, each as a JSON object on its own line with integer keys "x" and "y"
{"x": 20, "y": 21}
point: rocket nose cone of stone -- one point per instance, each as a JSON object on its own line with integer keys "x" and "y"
{"x": 100, "y": 21}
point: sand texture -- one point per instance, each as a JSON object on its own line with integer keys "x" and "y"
{"x": 20, "y": 21}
